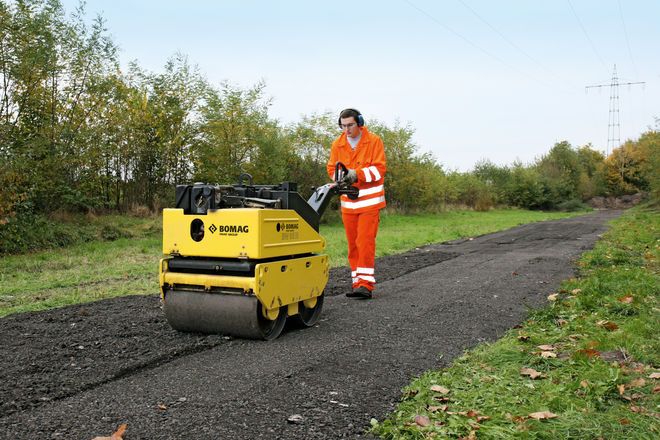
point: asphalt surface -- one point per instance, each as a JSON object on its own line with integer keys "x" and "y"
{"x": 81, "y": 371}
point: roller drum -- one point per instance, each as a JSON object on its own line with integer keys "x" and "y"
{"x": 216, "y": 313}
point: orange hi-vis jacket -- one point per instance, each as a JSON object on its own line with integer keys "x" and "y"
{"x": 368, "y": 160}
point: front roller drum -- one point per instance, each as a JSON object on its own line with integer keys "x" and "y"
{"x": 215, "y": 313}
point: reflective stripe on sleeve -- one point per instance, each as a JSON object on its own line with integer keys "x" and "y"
{"x": 367, "y": 174}
{"x": 375, "y": 172}
{"x": 367, "y": 278}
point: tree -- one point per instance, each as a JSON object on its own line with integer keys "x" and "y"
{"x": 53, "y": 74}
{"x": 633, "y": 166}
{"x": 592, "y": 176}
{"x": 309, "y": 143}
{"x": 559, "y": 172}
{"x": 234, "y": 121}
{"x": 494, "y": 177}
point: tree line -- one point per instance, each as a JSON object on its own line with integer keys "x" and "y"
{"x": 78, "y": 134}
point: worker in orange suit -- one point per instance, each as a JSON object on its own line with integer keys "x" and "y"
{"x": 362, "y": 152}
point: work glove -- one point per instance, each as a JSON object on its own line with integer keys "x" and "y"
{"x": 350, "y": 177}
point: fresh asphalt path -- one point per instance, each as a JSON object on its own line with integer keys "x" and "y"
{"x": 339, "y": 374}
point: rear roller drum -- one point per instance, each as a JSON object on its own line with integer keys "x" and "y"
{"x": 309, "y": 314}
{"x": 270, "y": 328}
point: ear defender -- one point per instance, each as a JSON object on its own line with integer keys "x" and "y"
{"x": 354, "y": 113}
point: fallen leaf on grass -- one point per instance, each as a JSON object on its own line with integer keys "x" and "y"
{"x": 439, "y": 389}
{"x": 624, "y": 421}
{"x": 654, "y": 376}
{"x": 589, "y": 352}
{"x": 437, "y": 408}
{"x": 576, "y": 291}
{"x": 628, "y": 299}
{"x": 621, "y": 388}
{"x": 117, "y": 435}
{"x": 542, "y": 415}
{"x": 471, "y": 436}
{"x": 523, "y": 338}
{"x": 546, "y": 347}
{"x": 532, "y": 373}
{"x": 640, "y": 382}
{"x": 608, "y": 325}
{"x": 564, "y": 355}
{"x": 516, "y": 419}
{"x": 422, "y": 421}
{"x": 635, "y": 396}
{"x": 619, "y": 355}
{"x": 656, "y": 389}
{"x": 553, "y": 297}
{"x": 548, "y": 354}
{"x": 636, "y": 367}
{"x": 584, "y": 384}
{"x": 562, "y": 322}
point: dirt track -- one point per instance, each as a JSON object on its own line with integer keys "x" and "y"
{"x": 79, "y": 372}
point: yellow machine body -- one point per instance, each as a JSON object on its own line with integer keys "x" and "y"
{"x": 240, "y": 233}
{"x": 286, "y": 277}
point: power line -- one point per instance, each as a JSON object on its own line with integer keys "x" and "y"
{"x": 474, "y": 45}
{"x": 593, "y": 47}
{"x": 625, "y": 33}
{"x": 511, "y": 43}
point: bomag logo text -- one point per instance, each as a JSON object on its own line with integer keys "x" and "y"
{"x": 233, "y": 229}
{"x": 286, "y": 227}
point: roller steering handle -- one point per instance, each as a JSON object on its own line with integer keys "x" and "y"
{"x": 340, "y": 171}
{"x": 341, "y": 187}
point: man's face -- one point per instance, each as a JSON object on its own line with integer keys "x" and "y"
{"x": 349, "y": 125}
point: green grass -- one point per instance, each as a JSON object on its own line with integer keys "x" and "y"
{"x": 128, "y": 265}
{"x": 603, "y": 328}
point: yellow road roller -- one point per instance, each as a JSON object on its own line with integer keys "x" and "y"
{"x": 241, "y": 259}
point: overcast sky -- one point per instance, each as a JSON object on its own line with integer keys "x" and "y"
{"x": 502, "y": 80}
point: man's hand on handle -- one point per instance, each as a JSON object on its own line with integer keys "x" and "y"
{"x": 350, "y": 177}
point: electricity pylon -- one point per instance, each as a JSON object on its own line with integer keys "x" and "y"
{"x": 614, "y": 124}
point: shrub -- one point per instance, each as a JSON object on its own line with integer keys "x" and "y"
{"x": 28, "y": 232}
{"x": 112, "y": 233}
{"x": 140, "y": 211}
{"x": 572, "y": 205}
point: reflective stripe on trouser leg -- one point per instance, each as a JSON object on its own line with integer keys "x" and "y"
{"x": 362, "y": 252}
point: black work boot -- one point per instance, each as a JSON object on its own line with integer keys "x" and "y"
{"x": 361, "y": 293}
{"x": 352, "y": 293}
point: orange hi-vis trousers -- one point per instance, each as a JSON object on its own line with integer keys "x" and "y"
{"x": 361, "y": 230}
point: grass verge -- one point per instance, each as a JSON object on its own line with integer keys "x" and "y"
{"x": 585, "y": 367}
{"x": 128, "y": 264}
